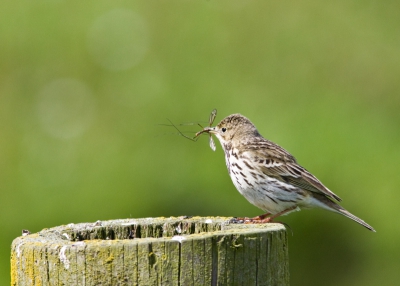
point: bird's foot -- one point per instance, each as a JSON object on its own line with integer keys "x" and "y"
{"x": 256, "y": 220}
{"x": 264, "y": 218}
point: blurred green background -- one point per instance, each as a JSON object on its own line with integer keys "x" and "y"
{"x": 84, "y": 85}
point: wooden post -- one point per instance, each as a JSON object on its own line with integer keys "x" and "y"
{"x": 153, "y": 251}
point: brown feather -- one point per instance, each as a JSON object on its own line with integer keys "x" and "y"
{"x": 289, "y": 171}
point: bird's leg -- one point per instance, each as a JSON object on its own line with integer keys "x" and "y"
{"x": 264, "y": 218}
{"x": 270, "y": 218}
{"x": 255, "y": 219}
{"x": 260, "y": 217}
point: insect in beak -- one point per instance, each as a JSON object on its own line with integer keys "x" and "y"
{"x": 209, "y": 129}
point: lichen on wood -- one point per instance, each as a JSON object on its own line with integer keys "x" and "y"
{"x": 153, "y": 251}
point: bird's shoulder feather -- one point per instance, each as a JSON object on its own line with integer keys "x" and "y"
{"x": 274, "y": 161}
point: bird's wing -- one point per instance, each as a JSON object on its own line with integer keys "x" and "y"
{"x": 276, "y": 162}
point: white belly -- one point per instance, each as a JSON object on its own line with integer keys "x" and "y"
{"x": 266, "y": 193}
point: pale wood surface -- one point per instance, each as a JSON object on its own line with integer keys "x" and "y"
{"x": 153, "y": 251}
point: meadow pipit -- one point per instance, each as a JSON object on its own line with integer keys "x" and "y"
{"x": 267, "y": 175}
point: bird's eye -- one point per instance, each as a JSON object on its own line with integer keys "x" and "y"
{"x": 223, "y": 129}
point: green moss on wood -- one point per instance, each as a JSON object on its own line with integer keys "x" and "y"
{"x": 153, "y": 251}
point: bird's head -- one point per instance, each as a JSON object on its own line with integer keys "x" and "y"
{"x": 232, "y": 129}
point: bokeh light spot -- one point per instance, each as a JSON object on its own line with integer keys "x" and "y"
{"x": 118, "y": 40}
{"x": 65, "y": 108}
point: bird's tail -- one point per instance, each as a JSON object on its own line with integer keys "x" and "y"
{"x": 328, "y": 204}
{"x": 346, "y": 213}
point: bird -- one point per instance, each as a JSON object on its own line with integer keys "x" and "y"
{"x": 268, "y": 176}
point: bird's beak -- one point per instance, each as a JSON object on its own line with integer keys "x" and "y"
{"x": 206, "y": 130}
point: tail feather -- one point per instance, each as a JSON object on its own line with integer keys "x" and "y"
{"x": 326, "y": 203}
{"x": 344, "y": 212}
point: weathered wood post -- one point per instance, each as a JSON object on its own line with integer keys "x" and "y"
{"x": 153, "y": 251}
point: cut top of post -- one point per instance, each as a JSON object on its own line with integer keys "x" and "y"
{"x": 175, "y": 250}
